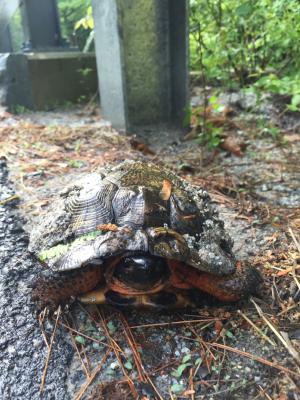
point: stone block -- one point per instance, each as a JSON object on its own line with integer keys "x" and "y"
{"x": 40, "y": 81}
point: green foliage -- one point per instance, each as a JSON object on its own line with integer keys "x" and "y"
{"x": 211, "y": 137}
{"x": 177, "y": 388}
{"x": 200, "y": 120}
{"x": 85, "y": 71}
{"x": 87, "y": 22}
{"x": 76, "y": 163}
{"x": 111, "y": 327}
{"x": 19, "y": 109}
{"x": 182, "y": 367}
{"x": 287, "y": 85}
{"x": 80, "y": 339}
{"x": 71, "y": 12}
{"x": 229, "y": 334}
{"x": 16, "y": 31}
{"x": 128, "y": 365}
{"x": 237, "y": 43}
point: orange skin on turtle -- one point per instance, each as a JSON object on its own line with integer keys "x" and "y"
{"x": 83, "y": 283}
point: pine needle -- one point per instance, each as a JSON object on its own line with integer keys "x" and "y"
{"x": 49, "y": 351}
{"x": 289, "y": 348}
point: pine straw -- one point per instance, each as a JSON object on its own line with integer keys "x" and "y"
{"x": 38, "y": 155}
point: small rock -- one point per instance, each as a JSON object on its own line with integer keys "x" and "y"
{"x": 11, "y": 349}
{"x": 185, "y": 350}
{"x": 114, "y": 365}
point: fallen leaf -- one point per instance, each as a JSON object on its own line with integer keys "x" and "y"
{"x": 165, "y": 192}
{"x": 232, "y": 145}
{"x": 107, "y": 227}
{"x": 282, "y": 396}
{"x": 291, "y": 137}
{"x": 218, "y": 326}
{"x": 140, "y": 146}
{"x": 286, "y": 271}
{"x": 188, "y": 392}
{"x": 5, "y": 115}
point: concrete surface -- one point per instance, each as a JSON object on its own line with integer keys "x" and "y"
{"x": 41, "y": 81}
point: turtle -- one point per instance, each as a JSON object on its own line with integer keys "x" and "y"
{"x": 136, "y": 234}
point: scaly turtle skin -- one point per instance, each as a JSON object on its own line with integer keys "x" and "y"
{"x": 136, "y": 234}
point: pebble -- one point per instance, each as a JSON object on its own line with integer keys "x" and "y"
{"x": 114, "y": 365}
{"x": 185, "y": 350}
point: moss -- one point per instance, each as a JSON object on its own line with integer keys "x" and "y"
{"x": 62, "y": 249}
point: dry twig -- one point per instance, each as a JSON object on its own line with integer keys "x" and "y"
{"x": 288, "y": 346}
{"x": 49, "y": 351}
{"x": 81, "y": 392}
{"x": 264, "y": 336}
{"x": 254, "y": 357}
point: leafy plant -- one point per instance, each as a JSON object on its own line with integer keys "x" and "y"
{"x": 128, "y": 365}
{"x": 80, "y": 339}
{"x": 71, "y": 12}
{"x": 202, "y": 120}
{"x": 286, "y": 86}
{"x": 211, "y": 137}
{"x": 177, "y": 388}
{"x": 111, "y": 327}
{"x": 184, "y": 364}
{"x": 76, "y": 163}
{"x": 19, "y": 109}
{"x": 85, "y": 71}
{"x": 236, "y": 43}
{"x": 87, "y": 22}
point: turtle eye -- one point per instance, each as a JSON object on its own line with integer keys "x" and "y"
{"x": 141, "y": 271}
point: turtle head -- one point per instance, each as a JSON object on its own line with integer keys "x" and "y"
{"x": 141, "y": 271}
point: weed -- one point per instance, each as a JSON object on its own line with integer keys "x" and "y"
{"x": 19, "y": 109}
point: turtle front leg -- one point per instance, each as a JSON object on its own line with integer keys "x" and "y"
{"x": 54, "y": 288}
{"x": 244, "y": 282}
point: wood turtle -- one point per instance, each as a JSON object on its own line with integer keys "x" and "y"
{"x": 136, "y": 234}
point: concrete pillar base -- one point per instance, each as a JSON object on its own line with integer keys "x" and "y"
{"x": 141, "y": 48}
{"x": 40, "y": 81}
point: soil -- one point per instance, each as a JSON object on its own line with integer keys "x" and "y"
{"x": 241, "y": 351}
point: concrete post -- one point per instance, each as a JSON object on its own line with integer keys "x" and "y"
{"x": 141, "y": 48}
{"x": 41, "y": 24}
{"x": 5, "y": 39}
{"x": 7, "y": 9}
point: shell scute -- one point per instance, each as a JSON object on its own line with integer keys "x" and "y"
{"x": 128, "y": 207}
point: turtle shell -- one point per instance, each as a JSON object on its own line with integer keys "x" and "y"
{"x": 134, "y": 207}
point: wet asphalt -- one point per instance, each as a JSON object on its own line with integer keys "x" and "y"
{"x": 22, "y": 351}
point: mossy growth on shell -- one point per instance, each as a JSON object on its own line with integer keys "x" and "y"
{"x": 61, "y": 249}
